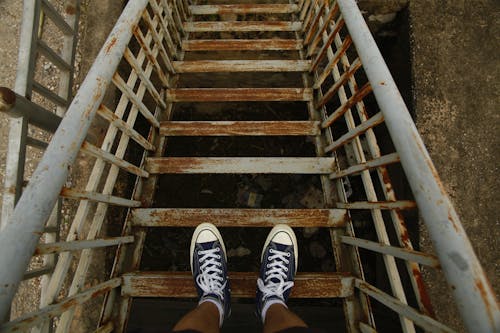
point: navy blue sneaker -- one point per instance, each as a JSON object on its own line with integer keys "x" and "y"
{"x": 209, "y": 268}
{"x": 277, "y": 270}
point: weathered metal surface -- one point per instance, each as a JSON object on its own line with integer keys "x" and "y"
{"x": 341, "y": 110}
{"x": 20, "y": 237}
{"x": 474, "y": 296}
{"x": 206, "y": 66}
{"x": 18, "y": 106}
{"x": 236, "y": 128}
{"x": 49, "y": 94}
{"x": 243, "y": 9}
{"x": 180, "y": 284}
{"x": 37, "y": 272}
{"x": 53, "y": 56}
{"x": 109, "y": 115}
{"x": 326, "y": 45}
{"x": 357, "y": 131}
{"x": 51, "y": 311}
{"x": 127, "y": 91}
{"x": 98, "y": 197}
{"x": 241, "y": 44}
{"x": 330, "y": 93}
{"x": 426, "y": 322}
{"x": 238, "y": 94}
{"x": 402, "y": 253}
{"x": 242, "y": 26}
{"x": 401, "y": 205}
{"x": 106, "y": 328}
{"x": 55, "y": 17}
{"x": 376, "y": 162}
{"x": 92, "y": 150}
{"x": 80, "y": 245}
{"x": 190, "y": 217}
{"x": 327, "y": 71}
{"x": 237, "y": 165}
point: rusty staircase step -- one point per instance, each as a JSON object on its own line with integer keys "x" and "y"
{"x": 239, "y": 94}
{"x": 243, "y": 284}
{"x": 244, "y": 9}
{"x": 242, "y": 44}
{"x": 240, "y": 128}
{"x": 242, "y": 26}
{"x": 240, "y": 165}
{"x": 207, "y": 66}
{"x": 232, "y": 217}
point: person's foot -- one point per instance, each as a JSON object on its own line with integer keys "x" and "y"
{"x": 277, "y": 270}
{"x": 209, "y": 268}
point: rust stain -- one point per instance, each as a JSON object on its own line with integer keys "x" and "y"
{"x": 382, "y": 83}
{"x": 484, "y": 295}
{"x": 110, "y": 45}
{"x": 8, "y": 96}
{"x": 424, "y": 297}
{"x": 70, "y": 10}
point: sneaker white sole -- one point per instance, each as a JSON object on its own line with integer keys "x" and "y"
{"x": 196, "y": 233}
{"x": 283, "y": 228}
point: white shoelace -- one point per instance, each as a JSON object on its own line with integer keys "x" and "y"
{"x": 276, "y": 270}
{"x": 210, "y": 277}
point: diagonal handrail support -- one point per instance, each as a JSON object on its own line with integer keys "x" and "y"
{"x": 20, "y": 237}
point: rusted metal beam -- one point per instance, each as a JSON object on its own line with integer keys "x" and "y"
{"x": 375, "y": 163}
{"x": 322, "y": 52}
{"x": 80, "y": 245}
{"x": 400, "y": 205}
{"x": 333, "y": 62}
{"x": 206, "y": 66}
{"x": 110, "y": 116}
{"x": 51, "y": 311}
{"x": 131, "y": 95}
{"x": 98, "y": 197}
{"x": 398, "y": 252}
{"x": 238, "y": 94}
{"x": 192, "y": 217}
{"x": 426, "y": 322}
{"x": 242, "y": 26}
{"x": 357, "y": 131}
{"x": 240, "y": 165}
{"x": 180, "y": 284}
{"x": 37, "y": 272}
{"x": 241, "y": 44}
{"x": 243, "y": 128}
{"x": 341, "y": 110}
{"x": 249, "y": 8}
{"x": 92, "y": 150}
{"x": 328, "y": 95}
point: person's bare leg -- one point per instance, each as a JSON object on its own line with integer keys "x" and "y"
{"x": 278, "y": 318}
{"x": 205, "y": 318}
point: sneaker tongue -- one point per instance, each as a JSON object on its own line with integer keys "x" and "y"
{"x": 208, "y": 245}
{"x": 280, "y": 247}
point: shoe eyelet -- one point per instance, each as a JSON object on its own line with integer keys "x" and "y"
{"x": 218, "y": 256}
{"x": 199, "y": 253}
{"x": 271, "y": 251}
{"x": 286, "y": 269}
{"x": 268, "y": 265}
{"x": 288, "y": 254}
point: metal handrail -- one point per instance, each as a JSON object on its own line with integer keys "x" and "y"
{"x": 19, "y": 238}
{"x": 473, "y": 293}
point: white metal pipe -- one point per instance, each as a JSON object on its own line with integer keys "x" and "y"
{"x": 19, "y": 238}
{"x": 473, "y": 294}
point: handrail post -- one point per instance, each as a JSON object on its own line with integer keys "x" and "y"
{"x": 473, "y": 293}
{"x": 19, "y": 238}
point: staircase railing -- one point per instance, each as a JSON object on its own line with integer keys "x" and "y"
{"x": 333, "y": 33}
{"x": 155, "y": 26}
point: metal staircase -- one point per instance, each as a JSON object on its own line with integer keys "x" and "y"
{"x": 331, "y": 72}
